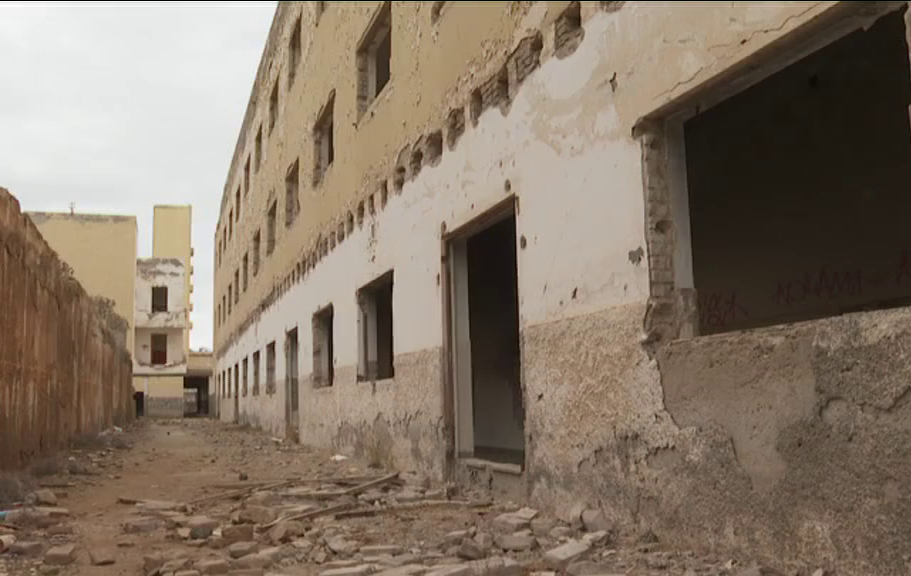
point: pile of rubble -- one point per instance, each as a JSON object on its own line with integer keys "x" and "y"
{"x": 360, "y": 526}
{"x": 36, "y": 535}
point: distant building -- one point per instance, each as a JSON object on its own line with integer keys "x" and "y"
{"x": 152, "y": 295}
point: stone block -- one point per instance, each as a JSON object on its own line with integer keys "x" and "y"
{"x": 101, "y": 557}
{"x": 175, "y": 565}
{"x": 562, "y": 556}
{"x": 451, "y": 570}
{"x": 6, "y": 540}
{"x": 595, "y": 520}
{"x": 515, "y": 542}
{"x": 406, "y": 570}
{"x": 187, "y": 573}
{"x": 213, "y": 566}
{"x": 470, "y": 550}
{"x": 455, "y": 538}
{"x": 237, "y": 533}
{"x": 45, "y": 497}
{"x": 141, "y": 525}
{"x": 496, "y": 567}
{"x": 201, "y": 527}
{"x": 257, "y": 515}
{"x": 285, "y": 531}
{"x": 377, "y": 550}
{"x": 241, "y": 549}
{"x": 62, "y": 555}
{"x": 510, "y": 522}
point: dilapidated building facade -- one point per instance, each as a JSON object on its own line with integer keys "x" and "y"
{"x": 639, "y": 256}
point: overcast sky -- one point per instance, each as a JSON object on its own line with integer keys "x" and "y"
{"x": 118, "y": 107}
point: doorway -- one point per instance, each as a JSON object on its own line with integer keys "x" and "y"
{"x": 486, "y": 360}
{"x": 291, "y": 384}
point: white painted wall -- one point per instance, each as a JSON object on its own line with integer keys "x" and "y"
{"x": 142, "y": 359}
{"x": 168, "y": 272}
{"x": 576, "y": 172}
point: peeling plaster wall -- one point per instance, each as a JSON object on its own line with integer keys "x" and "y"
{"x": 766, "y": 443}
{"x": 64, "y": 373}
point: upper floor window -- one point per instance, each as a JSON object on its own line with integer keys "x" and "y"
{"x": 237, "y": 204}
{"x": 374, "y": 55}
{"x": 273, "y": 107}
{"x": 247, "y": 176}
{"x": 258, "y": 149}
{"x": 159, "y": 299}
{"x": 292, "y": 199}
{"x": 324, "y": 140}
{"x": 294, "y": 52}
{"x": 159, "y": 349}
{"x": 256, "y": 249}
{"x": 270, "y": 228}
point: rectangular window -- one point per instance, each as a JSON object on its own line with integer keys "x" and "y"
{"x": 224, "y": 309}
{"x": 292, "y": 200}
{"x": 270, "y": 368}
{"x": 237, "y": 204}
{"x": 236, "y": 286}
{"x": 256, "y": 249}
{"x": 237, "y": 381}
{"x": 244, "y": 389}
{"x": 230, "y": 297}
{"x": 247, "y": 177}
{"x": 324, "y": 140}
{"x": 375, "y": 347}
{"x": 373, "y": 58}
{"x": 231, "y": 224}
{"x": 246, "y": 271}
{"x": 159, "y": 349}
{"x": 273, "y": 107}
{"x": 159, "y": 298}
{"x": 270, "y": 228}
{"x": 323, "y": 358}
{"x": 294, "y": 53}
{"x": 256, "y": 373}
{"x": 258, "y": 149}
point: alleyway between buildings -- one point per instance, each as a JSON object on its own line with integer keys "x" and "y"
{"x": 198, "y": 497}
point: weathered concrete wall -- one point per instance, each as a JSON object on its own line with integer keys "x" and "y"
{"x": 62, "y": 372}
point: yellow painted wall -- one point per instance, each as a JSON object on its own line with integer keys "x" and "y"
{"x": 101, "y": 249}
{"x": 172, "y": 238}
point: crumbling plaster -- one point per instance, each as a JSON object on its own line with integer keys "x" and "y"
{"x": 771, "y": 441}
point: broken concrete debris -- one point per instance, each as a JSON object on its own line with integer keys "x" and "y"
{"x": 101, "y": 557}
{"x": 62, "y": 555}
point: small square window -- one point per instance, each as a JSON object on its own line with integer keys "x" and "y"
{"x": 159, "y": 349}
{"x": 374, "y": 56}
{"x": 323, "y": 358}
{"x": 159, "y": 298}
{"x": 375, "y": 345}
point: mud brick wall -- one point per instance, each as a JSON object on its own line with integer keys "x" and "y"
{"x": 64, "y": 370}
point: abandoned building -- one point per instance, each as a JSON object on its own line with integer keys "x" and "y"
{"x": 153, "y": 295}
{"x": 644, "y": 257}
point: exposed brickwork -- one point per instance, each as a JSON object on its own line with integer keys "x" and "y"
{"x": 455, "y": 126}
{"x": 524, "y": 60}
{"x": 64, "y": 370}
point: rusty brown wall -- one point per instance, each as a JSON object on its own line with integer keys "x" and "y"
{"x": 64, "y": 371}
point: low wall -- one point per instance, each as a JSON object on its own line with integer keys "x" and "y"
{"x": 64, "y": 369}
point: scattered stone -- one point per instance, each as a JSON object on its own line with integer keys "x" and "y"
{"x": 594, "y": 520}
{"x": 455, "y": 538}
{"x": 243, "y": 477}
{"x": 60, "y": 529}
{"x": 141, "y": 525}
{"x": 237, "y": 533}
{"x": 541, "y": 527}
{"x": 511, "y": 522}
{"x": 6, "y": 540}
{"x": 285, "y": 531}
{"x": 599, "y": 538}
{"x": 359, "y": 570}
{"x": 25, "y": 548}
{"x": 561, "y": 532}
{"x": 381, "y": 549}
{"x": 484, "y": 540}
{"x": 257, "y": 515}
{"x": 201, "y": 527}
{"x": 515, "y": 542}
{"x": 214, "y": 566}
{"x": 159, "y": 505}
{"x": 184, "y": 533}
{"x": 240, "y": 549}
{"x": 45, "y": 497}
{"x": 152, "y": 562}
{"x": 343, "y": 563}
{"x": 470, "y": 550}
{"x": 341, "y": 546}
{"x": 48, "y": 570}
{"x": 302, "y": 544}
{"x": 587, "y": 568}
{"x": 62, "y": 555}
{"x": 187, "y": 573}
{"x": 562, "y": 556}
{"x": 174, "y": 565}
{"x": 496, "y": 567}
{"x": 270, "y": 555}
{"x": 101, "y": 557}
{"x": 125, "y": 543}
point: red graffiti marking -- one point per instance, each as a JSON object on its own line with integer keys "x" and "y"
{"x": 717, "y": 309}
{"x": 824, "y": 285}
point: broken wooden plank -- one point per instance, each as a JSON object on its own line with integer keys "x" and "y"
{"x": 310, "y": 514}
{"x": 355, "y": 490}
{"x": 237, "y": 493}
{"x": 127, "y": 501}
{"x": 56, "y": 484}
{"x": 369, "y": 512}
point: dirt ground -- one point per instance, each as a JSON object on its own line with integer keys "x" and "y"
{"x": 138, "y": 504}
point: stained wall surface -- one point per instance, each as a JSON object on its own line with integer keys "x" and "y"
{"x": 708, "y": 442}
{"x": 102, "y": 252}
{"x": 62, "y": 372}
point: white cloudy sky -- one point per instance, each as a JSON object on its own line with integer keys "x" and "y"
{"x": 118, "y": 107}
